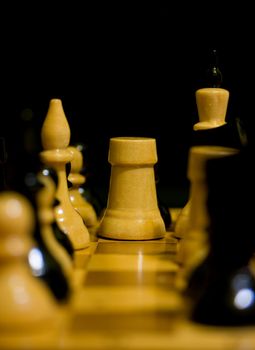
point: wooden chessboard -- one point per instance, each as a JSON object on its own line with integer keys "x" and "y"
{"x": 125, "y": 298}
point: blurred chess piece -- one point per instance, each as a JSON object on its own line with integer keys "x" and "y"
{"x": 83, "y": 207}
{"x": 193, "y": 246}
{"x": 55, "y": 136}
{"x": 132, "y": 211}
{"x": 87, "y": 189}
{"x": 48, "y": 177}
{"x": 44, "y": 199}
{"x": 212, "y": 108}
{"x": 222, "y": 288}
{"x": 27, "y": 306}
{"x": 212, "y": 128}
{"x": 181, "y": 225}
{"x": 212, "y": 100}
{"x": 45, "y": 259}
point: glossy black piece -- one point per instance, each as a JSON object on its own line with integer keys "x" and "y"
{"x": 42, "y": 263}
{"x": 61, "y": 237}
{"x": 49, "y": 270}
{"x": 222, "y": 288}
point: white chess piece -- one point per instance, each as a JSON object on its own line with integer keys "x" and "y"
{"x": 55, "y": 136}
{"x": 212, "y": 106}
{"x": 27, "y": 306}
{"x": 84, "y": 208}
{"x": 132, "y": 211}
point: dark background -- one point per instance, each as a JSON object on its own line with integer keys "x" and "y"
{"x": 124, "y": 69}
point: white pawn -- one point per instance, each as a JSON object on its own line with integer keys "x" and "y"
{"x": 55, "y": 136}
{"x": 84, "y": 208}
{"x": 132, "y": 211}
{"x": 27, "y": 306}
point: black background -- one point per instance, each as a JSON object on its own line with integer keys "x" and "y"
{"x": 124, "y": 69}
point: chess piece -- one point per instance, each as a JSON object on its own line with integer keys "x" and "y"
{"x": 87, "y": 189}
{"x": 49, "y": 180}
{"x": 83, "y": 207}
{"x": 224, "y": 282}
{"x": 212, "y": 102}
{"x": 212, "y": 107}
{"x": 26, "y": 304}
{"x": 165, "y": 213}
{"x": 212, "y": 128}
{"x": 132, "y": 211}
{"x": 181, "y": 226}
{"x": 51, "y": 269}
{"x": 194, "y": 245}
{"x": 55, "y": 136}
{"x": 44, "y": 200}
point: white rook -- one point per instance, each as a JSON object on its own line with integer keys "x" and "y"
{"x": 132, "y": 211}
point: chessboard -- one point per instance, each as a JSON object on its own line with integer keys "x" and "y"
{"x": 125, "y": 297}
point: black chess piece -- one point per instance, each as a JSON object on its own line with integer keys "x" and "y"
{"x": 42, "y": 262}
{"x": 61, "y": 237}
{"x": 222, "y": 289}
